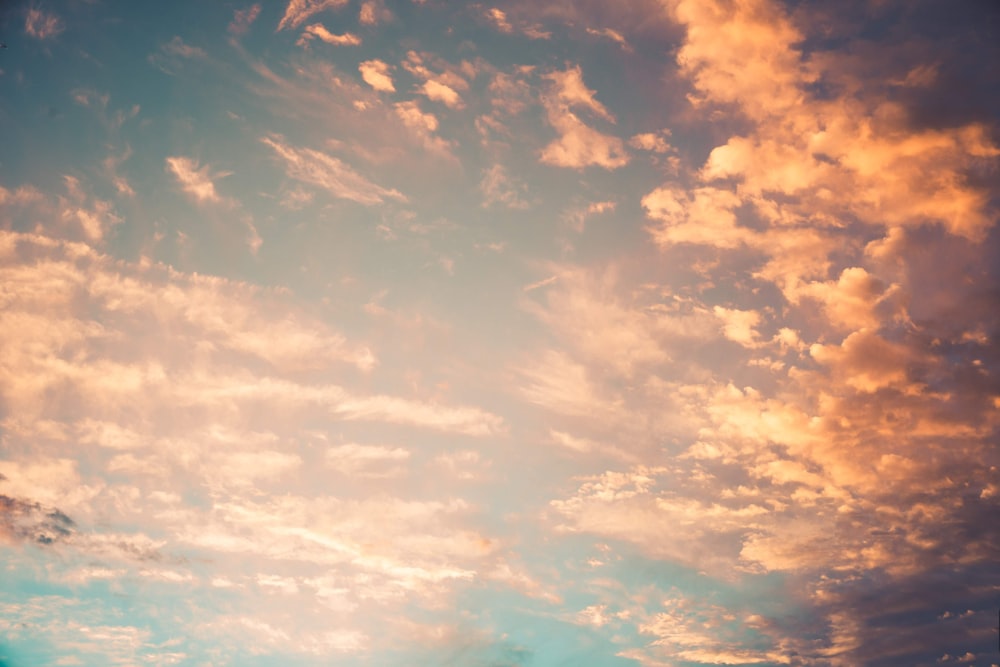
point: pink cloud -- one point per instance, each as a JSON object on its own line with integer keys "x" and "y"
{"x": 299, "y": 11}
{"x": 194, "y": 179}
{"x": 42, "y": 25}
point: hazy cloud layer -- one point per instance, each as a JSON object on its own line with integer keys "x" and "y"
{"x": 657, "y": 333}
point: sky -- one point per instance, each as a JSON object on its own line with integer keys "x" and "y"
{"x": 653, "y": 333}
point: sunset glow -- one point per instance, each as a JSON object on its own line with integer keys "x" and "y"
{"x": 658, "y": 333}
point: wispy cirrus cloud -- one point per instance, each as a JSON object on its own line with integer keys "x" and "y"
{"x": 329, "y": 173}
{"x": 319, "y": 31}
{"x": 195, "y": 179}
{"x": 299, "y": 11}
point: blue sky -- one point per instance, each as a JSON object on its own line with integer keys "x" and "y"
{"x": 655, "y": 333}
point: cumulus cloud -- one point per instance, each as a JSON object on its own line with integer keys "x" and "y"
{"x": 439, "y": 92}
{"x": 376, "y": 74}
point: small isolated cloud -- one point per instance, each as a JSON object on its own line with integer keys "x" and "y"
{"x": 439, "y": 92}
{"x": 194, "y": 180}
{"x": 578, "y": 145}
{"x": 330, "y": 173}
{"x": 299, "y": 11}
{"x": 499, "y": 19}
{"x": 243, "y": 19}
{"x": 613, "y": 35}
{"x": 319, "y": 31}
{"x": 42, "y": 25}
{"x": 376, "y": 74}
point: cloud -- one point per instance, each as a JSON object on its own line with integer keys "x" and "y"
{"x": 499, "y": 19}
{"x": 42, "y": 25}
{"x": 498, "y": 187}
{"x": 865, "y": 361}
{"x": 243, "y": 19}
{"x": 22, "y": 520}
{"x": 178, "y": 47}
{"x": 329, "y": 173}
{"x": 367, "y": 460}
{"x": 439, "y": 92}
{"x": 651, "y": 141}
{"x": 442, "y": 86}
{"x": 194, "y": 179}
{"x": 319, "y": 31}
{"x": 611, "y": 34}
{"x": 299, "y": 11}
{"x": 738, "y": 325}
{"x": 809, "y": 146}
{"x": 376, "y": 74}
{"x": 470, "y": 421}
{"x": 578, "y": 145}
{"x": 373, "y": 12}
{"x": 92, "y": 216}
{"x": 422, "y": 127}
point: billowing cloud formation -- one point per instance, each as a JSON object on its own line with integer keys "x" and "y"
{"x": 330, "y": 173}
